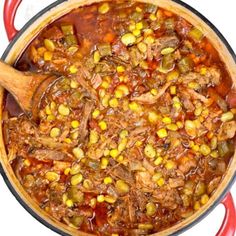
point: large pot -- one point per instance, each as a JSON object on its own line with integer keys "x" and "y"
{"x": 19, "y": 42}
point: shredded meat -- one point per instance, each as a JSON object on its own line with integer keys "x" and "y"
{"x": 47, "y": 154}
{"x": 83, "y": 131}
{"x": 148, "y": 98}
{"x": 167, "y": 198}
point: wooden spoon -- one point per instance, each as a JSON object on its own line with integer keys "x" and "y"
{"x": 26, "y": 87}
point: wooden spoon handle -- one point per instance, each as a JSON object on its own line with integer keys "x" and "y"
{"x": 20, "y": 84}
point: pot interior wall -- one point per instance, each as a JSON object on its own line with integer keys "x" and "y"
{"x": 56, "y": 11}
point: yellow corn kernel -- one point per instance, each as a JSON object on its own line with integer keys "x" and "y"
{"x": 194, "y": 85}
{"x": 148, "y": 32}
{"x": 143, "y": 65}
{"x": 158, "y": 161}
{"x": 156, "y": 176}
{"x": 203, "y": 70}
{"x": 69, "y": 203}
{"x": 196, "y": 206}
{"x": 53, "y": 106}
{"x": 170, "y": 165}
{"x": 47, "y": 56}
{"x": 139, "y": 25}
{"x": 172, "y": 127}
{"x": 154, "y": 92}
{"x": 122, "y": 145}
{"x": 177, "y": 105}
{"x": 162, "y": 133}
{"x": 195, "y": 148}
{"x": 105, "y": 84}
{"x": 173, "y": 75}
{"x": 149, "y": 151}
{"x": 95, "y": 113}
{"x": 64, "y": 198}
{"x": 153, "y": 117}
{"x": 100, "y": 198}
{"x": 67, "y": 140}
{"x": 180, "y": 124}
{"x": 74, "y": 135}
{"x": 107, "y": 180}
{"x": 121, "y": 91}
{"x": 113, "y": 103}
{"x": 138, "y": 143}
{"x": 74, "y": 84}
{"x": 51, "y": 117}
{"x": 41, "y": 51}
{"x": 122, "y": 187}
{"x": 102, "y": 125}
{"x": 48, "y": 110}
{"x": 27, "y": 162}
{"x": 160, "y": 182}
{"x": 110, "y": 199}
{"x": 167, "y": 120}
{"x": 63, "y": 110}
{"x": 136, "y": 32}
{"x": 134, "y": 106}
{"x": 104, "y": 8}
{"x": 128, "y": 39}
{"x": 55, "y": 132}
{"x": 204, "y": 199}
{"x": 76, "y": 179}
{"x": 96, "y": 57}
{"x": 104, "y": 162}
{"x": 78, "y": 153}
{"x": 114, "y": 153}
{"x": 198, "y": 111}
{"x": 124, "y": 133}
{"x": 73, "y": 69}
{"x": 67, "y": 171}
{"x": 114, "y": 234}
{"x": 149, "y": 39}
{"x": 93, "y": 137}
{"x": 106, "y": 152}
{"x": 75, "y": 124}
{"x": 172, "y": 90}
{"x": 52, "y": 176}
{"x": 120, "y": 69}
{"x": 132, "y": 25}
{"x": 120, "y": 158}
{"x": 138, "y": 9}
{"x": 152, "y": 17}
{"x": 93, "y": 202}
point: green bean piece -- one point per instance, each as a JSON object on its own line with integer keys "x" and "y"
{"x": 185, "y": 65}
{"x": 67, "y": 29}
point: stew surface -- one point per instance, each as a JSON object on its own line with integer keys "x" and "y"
{"x": 138, "y": 133}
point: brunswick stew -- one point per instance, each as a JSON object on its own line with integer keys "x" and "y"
{"x": 137, "y": 134}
